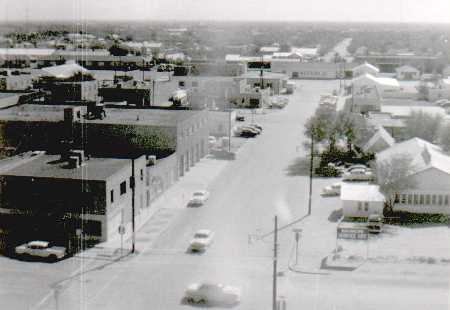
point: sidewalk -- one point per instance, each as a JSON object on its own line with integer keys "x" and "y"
{"x": 158, "y": 217}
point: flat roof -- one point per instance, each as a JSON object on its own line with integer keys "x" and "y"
{"x": 266, "y": 75}
{"x": 361, "y": 192}
{"x": 7, "y": 95}
{"x": 50, "y": 166}
{"x": 55, "y": 113}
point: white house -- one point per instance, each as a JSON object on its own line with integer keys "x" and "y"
{"x": 385, "y": 87}
{"x": 380, "y": 141}
{"x": 365, "y": 68}
{"x": 407, "y": 73}
{"x": 361, "y": 200}
{"x": 430, "y": 172}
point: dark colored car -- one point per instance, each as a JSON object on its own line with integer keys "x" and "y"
{"x": 240, "y": 118}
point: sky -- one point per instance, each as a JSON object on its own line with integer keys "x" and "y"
{"x": 428, "y": 11}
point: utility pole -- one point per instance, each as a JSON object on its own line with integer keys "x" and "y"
{"x": 132, "y": 185}
{"x": 229, "y": 131}
{"x": 311, "y": 162}
{"x": 275, "y": 257}
{"x": 153, "y": 91}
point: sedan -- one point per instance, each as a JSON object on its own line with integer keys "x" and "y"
{"x": 212, "y": 294}
{"x": 198, "y": 198}
{"x": 358, "y": 174}
{"x": 202, "y": 240}
{"x": 332, "y": 190}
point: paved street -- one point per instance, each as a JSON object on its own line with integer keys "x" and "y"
{"x": 245, "y": 196}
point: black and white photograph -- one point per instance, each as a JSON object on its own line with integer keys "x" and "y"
{"x": 212, "y": 154}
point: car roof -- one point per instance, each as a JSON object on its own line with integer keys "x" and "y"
{"x": 38, "y": 243}
{"x": 200, "y": 192}
{"x": 203, "y": 231}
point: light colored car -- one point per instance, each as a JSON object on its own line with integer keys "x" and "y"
{"x": 212, "y": 141}
{"x": 332, "y": 190}
{"x": 198, "y": 198}
{"x": 41, "y": 249}
{"x": 201, "y": 241}
{"x": 212, "y": 294}
{"x": 375, "y": 223}
{"x": 358, "y": 174}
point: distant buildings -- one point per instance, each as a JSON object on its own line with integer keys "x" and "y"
{"x": 407, "y": 73}
{"x": 365, "y": 68}
{"x": 15, "y": 80}
{"x": 389, "y": 62}
{"x": 68, "y": 83}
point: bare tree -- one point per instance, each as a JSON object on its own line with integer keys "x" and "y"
{"x": 393, "y": 176}
{"x": 423, "y": 125}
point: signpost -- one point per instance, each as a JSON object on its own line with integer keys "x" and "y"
{"x": 298, "y": 233}
{"x": 121, "y": 232}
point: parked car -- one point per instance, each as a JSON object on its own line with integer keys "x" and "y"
{"x": 41, "y": 249}
{"x": 332, "y": 190}
{"x": 358, "y": 174}
{"x": 212, "y": 141}
{"x": 198, "y": 198}
{"x": 247, "y": 133}
{"x": 212, "y": 294}
{"x": 240, "y": 118}
{"x": 375, "y": 223}
{"x": 256, "y": 126}
{"x": 201, "y": 241}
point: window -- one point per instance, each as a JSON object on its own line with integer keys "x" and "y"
{"x": 112, "y": 196}
{"x": 433, "y": 199}
{"x": 427, "y": 199}
{"x": 366, "y": 206}
{"x": 416, "y": 199}
{"x": 409, "y": 199}
{"x": 181, "y": 83}
{"x": 403, "y": 199}
{"x": 397, "y": 198}
{"x": 440, "y": 200}
{"x": 446, "y": 200}
{"x": 359, "y": 206}
{"x": 421, "y": 199}
{"x": 123, "y": 187}
{"x": 142, "y": 175}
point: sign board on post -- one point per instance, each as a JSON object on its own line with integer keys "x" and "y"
{"x": 359, "y": 233}
{"x": 121, "y": 229}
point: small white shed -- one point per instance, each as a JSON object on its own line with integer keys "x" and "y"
{"x": 361, "y": 200}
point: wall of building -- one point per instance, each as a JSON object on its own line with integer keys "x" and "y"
{"x": 53, "y": 209}
{"x": 310, "y": 70}
{"x": 427, "y": 196}
{"x": 192, "y": 141}
{"x": 16, "y": 82}
{"x": 353, "y": 208}
{"x": 221, "y": 122}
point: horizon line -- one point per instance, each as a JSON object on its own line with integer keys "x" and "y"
{"x": 140, "y": 20}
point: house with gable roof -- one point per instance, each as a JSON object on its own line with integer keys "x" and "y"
{"x": 430, "y": 173}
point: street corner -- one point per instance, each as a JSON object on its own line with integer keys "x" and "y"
{"x": 342, "y": 261}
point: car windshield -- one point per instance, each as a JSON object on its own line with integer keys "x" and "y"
{"x": 162, "y": 144}
{"x": 201, "y": 236}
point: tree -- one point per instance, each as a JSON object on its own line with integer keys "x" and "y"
{"x": 393, "y": 176}
{"x": 354, "y": 128}
{"x": 423, "y": 125}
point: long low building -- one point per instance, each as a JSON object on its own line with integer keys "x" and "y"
{"x": 121, "y": 133}
{"x": 98, "y": 60}
{"x": 296, "y": 69}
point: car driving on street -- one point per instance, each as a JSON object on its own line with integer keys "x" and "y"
{"x": 212, "y": 294}
{"x": 201, "y": 241}
{"x": 198, "y": 198}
